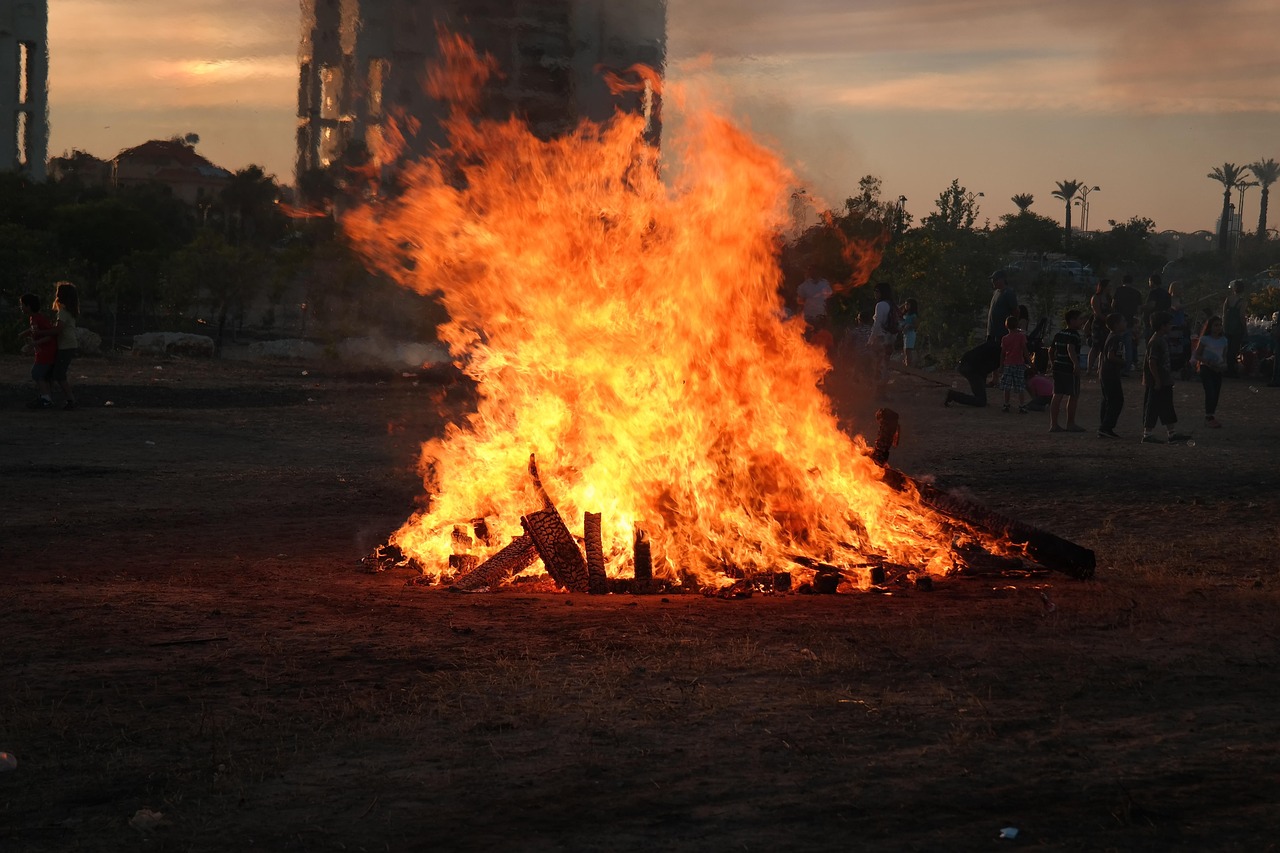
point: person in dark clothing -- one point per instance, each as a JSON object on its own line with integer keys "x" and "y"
{"x": 1004, "y": 303}
{"x": 1233, "y": 323}
{"x": 975, "y": 365}
{"x": 1110, "y": 369}
{"x": 1066, "y": 373}
{"x": 1127, "y": 302}
{"x": 1157, "y": 383}
{"x": 1157, "y": 300}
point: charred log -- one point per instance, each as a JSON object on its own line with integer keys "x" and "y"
{"x": 559, "y": 553}
{"x": 463, "y": 563}
{"x": 887, "y": 436}
{"x": 643, "y": 558}
{"x": 517, "y": 556}
{"x": 1052, "y": 552}
{"x": 597, "y": 580}
{"x": 537, "y": 482}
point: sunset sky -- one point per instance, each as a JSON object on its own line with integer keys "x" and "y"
{"x": 1140, "y": 97}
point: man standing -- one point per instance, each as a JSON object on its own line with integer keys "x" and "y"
{"x": 1004, "y": 304}
{"x": 1233, "y": 324}
{"x": 812, "y": 295}
{"x": 1157, "y": 301}
{"x": 1127, "y": 302}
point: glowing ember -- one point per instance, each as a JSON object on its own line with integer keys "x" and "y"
{"x": 629, "y": 333}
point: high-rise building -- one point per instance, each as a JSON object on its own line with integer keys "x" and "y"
{"x": 363, "y": 60}
{"x": 24, "y": 95}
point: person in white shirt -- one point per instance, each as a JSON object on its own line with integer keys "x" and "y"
{"x": 812, "y": 295}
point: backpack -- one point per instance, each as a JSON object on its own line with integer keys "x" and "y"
{"x": 892, "y": 323}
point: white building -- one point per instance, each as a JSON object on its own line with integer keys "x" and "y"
{"x": 24, "y": 86}
{"x": 360, "y": 60}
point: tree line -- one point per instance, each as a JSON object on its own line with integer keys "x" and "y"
{"x": 945, "y": 262}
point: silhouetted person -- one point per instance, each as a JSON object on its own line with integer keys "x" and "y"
{"x": 1233, "y": 324}
{"x": 1127, "y": 302}
{"x": 975, "y": 366}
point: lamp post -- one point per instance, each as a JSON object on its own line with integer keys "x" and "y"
{"x": 1083, "y": 203}
{"x": 1242, "y": 186}
{"x": 902, "y": 214}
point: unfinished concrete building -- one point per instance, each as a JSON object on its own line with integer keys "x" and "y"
{"x": 361, "y": 60}
{"x": 24, "y": 76}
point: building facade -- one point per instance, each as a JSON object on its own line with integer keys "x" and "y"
{"x": 24, "y": 86}
{"x": 363, "y": 60}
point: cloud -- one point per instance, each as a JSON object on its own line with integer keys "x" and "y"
{"x": 1146, "y": 56}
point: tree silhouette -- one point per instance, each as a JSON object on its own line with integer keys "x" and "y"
{"x": 1229, "y": 175}
{"x": 1023, "y": 201}
{"x": 1267, "y": 172}
{"x": 1067, "y": 191}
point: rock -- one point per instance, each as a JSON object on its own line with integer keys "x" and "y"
{"x": 90, "y": 343}
{"x": 173, "y": 343}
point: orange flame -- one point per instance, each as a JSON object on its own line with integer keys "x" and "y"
{"x": 630, "y": 334}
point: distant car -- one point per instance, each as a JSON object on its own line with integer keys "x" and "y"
{"x": 1074, "y": 270}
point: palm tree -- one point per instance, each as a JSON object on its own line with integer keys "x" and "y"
{"x": 1023, "y": 201}
{"x": 1229, "y": 175}
{"x": 1067, "y": 191}
{"x": 1267, "y": 172}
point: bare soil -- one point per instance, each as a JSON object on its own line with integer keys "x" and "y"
{"x": 187, "y": 629}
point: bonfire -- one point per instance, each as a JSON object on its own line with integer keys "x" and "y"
{"x": 642, "y": 395}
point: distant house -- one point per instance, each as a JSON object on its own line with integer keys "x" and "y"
{"x": 175, "y": 163}
{"x": 82, "y": 166}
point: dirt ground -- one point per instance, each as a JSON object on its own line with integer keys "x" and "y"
{"x": 186, "y": 630}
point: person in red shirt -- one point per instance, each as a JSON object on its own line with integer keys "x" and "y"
{"x": 44, "y": 341}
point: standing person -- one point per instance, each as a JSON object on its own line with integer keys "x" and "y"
{"x": 66, "y": 305}
{"x": 1211, "y": 359}
{"x": 1179, "y": 332}
{"x": 1233, "y": 324}
{"x": 1157, "y": 383}
{"x": 44, "y": 343}
{"x": 1013, "y": 360}
{"x": 1275, "y": 351}
{"x": 910, "y": 322}
{"x": 1110, "y": 371}
{"x": 884, "y": 332}
{"x": 812, "y": 295}
{"x": 1066, "y": 373}
{"x": 1004, "y": 302}
{"x": 1127, "y": 302}
{"x": 974, "y": 366}
{"x": 1099, "y": 309}
{"x": 1157, "y": 301}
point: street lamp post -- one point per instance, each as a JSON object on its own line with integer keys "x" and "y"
{"x": 1083, "y": 203}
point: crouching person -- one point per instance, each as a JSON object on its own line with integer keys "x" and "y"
{"x": 975, "y": 366}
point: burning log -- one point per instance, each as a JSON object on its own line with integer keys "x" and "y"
{"x": 887, "y": 436}
{"x": 537, "y": 482}
{"x": 643, "y": 563}
{"x": 557, "y": 549}
{"x": 1052, "y": 552}
{"x": 517, "y": 556}
{"x": 463, "y": 563}
{"x": 597, "y": 580}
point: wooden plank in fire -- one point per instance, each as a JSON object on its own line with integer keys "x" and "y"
{"x": 597, "y": 579}
{"x": 643, "y": 560}
{"x": 517, "y": 556}
{"x": 559, "y": 553}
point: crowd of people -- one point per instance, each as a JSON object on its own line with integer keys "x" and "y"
{"x": 1119, "y": 326}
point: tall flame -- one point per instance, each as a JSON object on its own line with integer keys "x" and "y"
{"x": 630, "y": 334}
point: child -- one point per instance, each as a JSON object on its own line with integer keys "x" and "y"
{"x": 1157, "y": 382}
{"x": 44, "y": 341}
{"x": 1211, "y": 358}
{"x": 910, "y": 320}
{"x": 1040, "y": 387}
{"x": 66, "y": 302}
{"x": 1066, "y": 373}
{"x": 1013, "y": 358}
{"x": 1110, "y": 370}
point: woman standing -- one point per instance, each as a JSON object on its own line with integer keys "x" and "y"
{"x": 66, "y": 304}
{"x": 1211, "y": 356}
